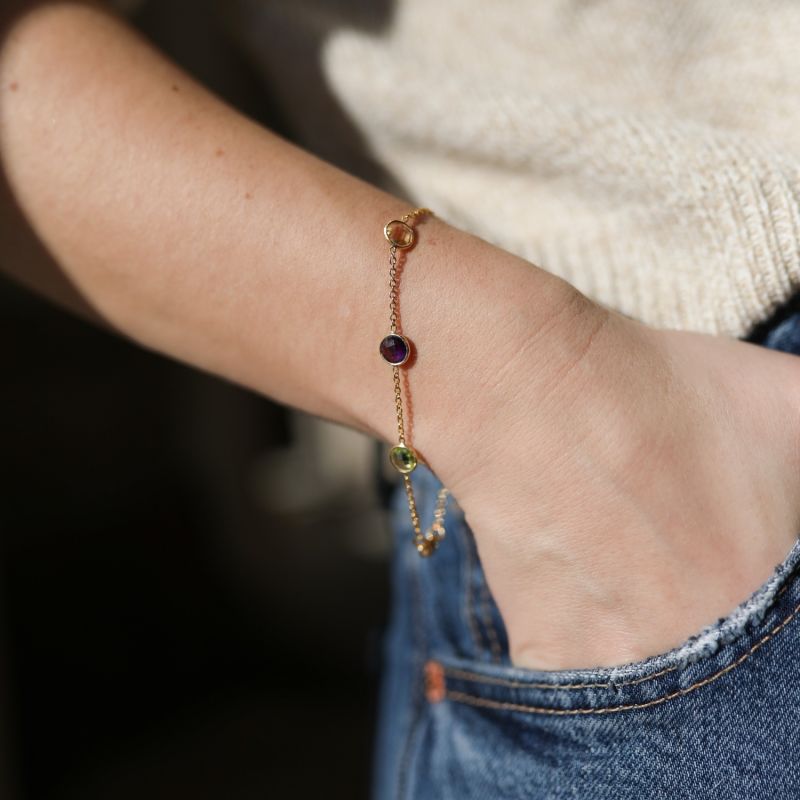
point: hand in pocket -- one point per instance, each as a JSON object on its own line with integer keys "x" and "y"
{"x": 631, "y": 495}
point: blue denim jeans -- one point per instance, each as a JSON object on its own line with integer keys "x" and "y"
{"x": 718, "y": 717}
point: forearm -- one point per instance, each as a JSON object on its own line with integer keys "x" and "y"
{"x": 196, "y": 232}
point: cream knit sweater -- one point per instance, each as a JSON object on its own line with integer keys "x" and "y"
{"x": 648, "y": 152}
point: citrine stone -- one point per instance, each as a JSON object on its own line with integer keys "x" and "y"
{"x": 395, "y": 349}
{"x": 399, "y": 234}
{"x": 403, "y": 458}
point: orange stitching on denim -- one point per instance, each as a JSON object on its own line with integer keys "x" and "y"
{"x": 783, "y": 588}
{"x": 477, "y": 678}
{"x": 463, "y": 697}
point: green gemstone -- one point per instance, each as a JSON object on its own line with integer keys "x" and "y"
{"x": 403, "y": 458}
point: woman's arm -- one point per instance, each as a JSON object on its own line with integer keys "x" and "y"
{"x": 625, "y": 486}
{"x": 200, "y": 234}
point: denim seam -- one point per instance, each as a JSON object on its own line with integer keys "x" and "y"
{"x": 464, "y": 697}
{"x": 485, "y": 611}
{"x": 417, "y": 695}
{"x": 490, "y": 679}
{"x": 468, "y": 604}
{"x": 488, "y": 624}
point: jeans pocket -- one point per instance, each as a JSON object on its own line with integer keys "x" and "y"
{"x": 703, "y": 658}
{"x": 475, "y": 668}
{"x": 715, "y": 718}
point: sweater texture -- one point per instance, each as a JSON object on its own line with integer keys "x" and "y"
{"x": 648, "y": 153}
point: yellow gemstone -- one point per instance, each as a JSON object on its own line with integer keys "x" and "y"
{"x": 399, "y": 233}
{"x": 403, "y": 458}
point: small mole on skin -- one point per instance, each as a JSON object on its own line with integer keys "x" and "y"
{"x": 219, "y": 152}
{"x": 13, "y": 86}
{"x": 248, "y": 196}
{"x": 175, "y": 88}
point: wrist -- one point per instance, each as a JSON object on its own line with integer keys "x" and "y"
{"x": 475, "y": 316}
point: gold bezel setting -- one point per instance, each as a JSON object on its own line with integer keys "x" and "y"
{"x": 407, "y": 229}
{"x": 406, "y": 345}
{"x": 403, "y": 451}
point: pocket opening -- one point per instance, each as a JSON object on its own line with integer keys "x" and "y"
{"x": 702, "y": 659}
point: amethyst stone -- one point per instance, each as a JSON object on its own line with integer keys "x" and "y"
{"x": 395, "y": 349}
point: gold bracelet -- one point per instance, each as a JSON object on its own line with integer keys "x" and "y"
{"x": 395, "y": 349}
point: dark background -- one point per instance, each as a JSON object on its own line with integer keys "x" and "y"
{"x": 193, "y": 578}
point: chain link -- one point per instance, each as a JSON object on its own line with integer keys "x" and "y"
{"x": 398, "y": 405}
{"x": 393, "y": 298}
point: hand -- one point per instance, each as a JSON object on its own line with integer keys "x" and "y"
{"x": 626, "y": 486}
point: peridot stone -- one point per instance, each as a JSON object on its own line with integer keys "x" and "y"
{"x": 403, "y": 458}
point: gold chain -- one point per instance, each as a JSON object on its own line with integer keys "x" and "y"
{"x": 396, "y": 350}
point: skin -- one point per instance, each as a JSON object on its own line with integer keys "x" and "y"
{"x": 626, "y": 486}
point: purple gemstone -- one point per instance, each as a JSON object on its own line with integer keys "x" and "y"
{"x": 395, "y": 349}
